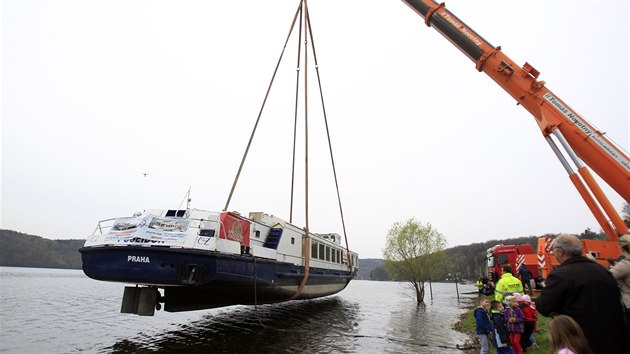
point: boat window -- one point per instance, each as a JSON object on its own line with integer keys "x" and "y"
{"x": 257, "y": 233}
{"x": 176, "y": 213}
{"x": 322, "y": 249}
{"x": 334, "y": 255}
{"x": 328, "y": 253}
{"x": 206, "y": 232}
{"x": 314, "y": 250}
{"x": 293, "y": 240}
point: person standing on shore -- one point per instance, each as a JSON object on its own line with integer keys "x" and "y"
{"x": 479, "y": 285}
{"x": 528, "y": 325}
{"x": 502, "y": 337}
{"x": 514, "y": 319}
{"x": 526, "y": 276}
{"x": 484, "y": 327}
{"x": 507, "y": 285}
{"x": 587, "y": 292}
{"x": 621, "y": 272}
{"x": 531, "y": 317}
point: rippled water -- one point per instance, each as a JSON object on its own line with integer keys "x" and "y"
{"x": 63, "y": 311}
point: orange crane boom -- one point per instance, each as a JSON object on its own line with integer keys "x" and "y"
{"x": 583, "y": 143}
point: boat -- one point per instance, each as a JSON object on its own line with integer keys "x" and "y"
{"x": 196, "y": 259}
{"x": 188, "y": 259}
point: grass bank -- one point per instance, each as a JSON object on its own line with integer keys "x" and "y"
{"x": 466, "y": 324}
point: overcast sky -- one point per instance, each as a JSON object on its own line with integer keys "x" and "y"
{"x": 97, "y": 93}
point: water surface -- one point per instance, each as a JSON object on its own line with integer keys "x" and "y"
{"x": 63, "y": 311}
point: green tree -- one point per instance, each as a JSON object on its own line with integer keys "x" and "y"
{"x": 414, "y": 252}
{"x": 589, "y": 234}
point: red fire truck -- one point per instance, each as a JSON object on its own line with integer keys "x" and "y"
{"x": 516, "y": 256}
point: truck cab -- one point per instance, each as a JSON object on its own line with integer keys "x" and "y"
{"x": 516, "y": 256}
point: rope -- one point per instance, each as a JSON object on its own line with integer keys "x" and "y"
{"x": 332, "y": 159}
{"x": 227, "y": 203}
{"x": 307, "y": 248}
{"x": 297, "y": 90}
{"x": 301, "y": 11}
{"x": 256, "y": 293}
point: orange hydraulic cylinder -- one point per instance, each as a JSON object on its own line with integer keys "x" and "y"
{"x": 620, "y": 226}
{"x": 596, "y": 191}
{"x": 592, "y": 205}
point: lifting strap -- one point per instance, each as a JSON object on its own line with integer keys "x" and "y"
{"x": 249, "y": 143}
{"x": 301, "y": 12}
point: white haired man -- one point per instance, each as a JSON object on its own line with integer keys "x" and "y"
{"x": 587, "y": 292}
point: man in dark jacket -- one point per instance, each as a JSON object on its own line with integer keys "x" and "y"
{"x": 525, "y": 275}
{"x": 587, "y": 292}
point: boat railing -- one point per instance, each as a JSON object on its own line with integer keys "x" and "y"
{"x": 99, "y": 227}
{"x": 105, "y": 225}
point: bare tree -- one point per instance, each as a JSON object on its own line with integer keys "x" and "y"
{"x": 414, "y": 252}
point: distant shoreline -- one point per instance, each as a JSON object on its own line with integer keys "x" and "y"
{"x": 36, "y": 267}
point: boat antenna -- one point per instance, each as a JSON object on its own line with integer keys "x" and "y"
{"x": 187, "y": 199}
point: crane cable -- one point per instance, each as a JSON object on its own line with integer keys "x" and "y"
{"x": 249, "y": 143}
{"x": 332, "y": 159}
{"x": 306, "y": 245}
{"x": 309, "y": 33}
{"x": 295, "y": 113}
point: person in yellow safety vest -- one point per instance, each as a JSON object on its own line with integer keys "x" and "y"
{"x": 479, "y": 285}
{"x": 507, "y": 285}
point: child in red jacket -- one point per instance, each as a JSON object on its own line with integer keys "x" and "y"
{"x": 532, "y": 305}
{"x": 530, "y": 317}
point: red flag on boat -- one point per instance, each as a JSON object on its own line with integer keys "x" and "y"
{"x": 234, "y": 228}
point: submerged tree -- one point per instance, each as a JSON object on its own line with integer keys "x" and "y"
{"x": 414, "y": 252}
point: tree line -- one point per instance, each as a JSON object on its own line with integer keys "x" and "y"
{"x": 22, "y": 250}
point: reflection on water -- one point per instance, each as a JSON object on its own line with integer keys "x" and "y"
{"x": 303, "y": 326}
{"x": 61, "y": 311}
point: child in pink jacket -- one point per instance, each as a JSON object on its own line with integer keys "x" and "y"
{"x": 515, "y": 320}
